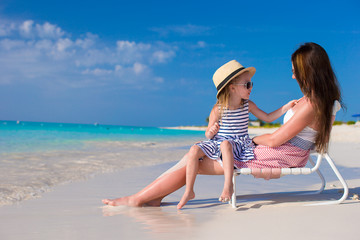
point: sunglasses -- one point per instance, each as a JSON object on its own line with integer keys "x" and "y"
{"x": 248, "y": 85}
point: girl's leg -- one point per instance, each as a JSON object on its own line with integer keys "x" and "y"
{"x": 228, "y": 165}
{"x": 192, "y": 169}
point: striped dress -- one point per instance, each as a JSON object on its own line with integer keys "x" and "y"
{"x": 233, "y": 128}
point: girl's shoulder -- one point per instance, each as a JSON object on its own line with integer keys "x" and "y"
{"x": 247, "y": 104}
{"x": 216, "y": 109}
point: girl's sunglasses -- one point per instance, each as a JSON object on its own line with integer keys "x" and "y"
{"x": 248, "y": 85}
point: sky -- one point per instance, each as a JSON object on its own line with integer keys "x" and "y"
{"x": 150, "y": 63}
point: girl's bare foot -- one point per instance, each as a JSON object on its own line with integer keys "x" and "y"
{"x": 125, "y": 201}
{"x": 154, "y": 203}
{"x": 185, "y": 198}
{"x": 227, "y": 193}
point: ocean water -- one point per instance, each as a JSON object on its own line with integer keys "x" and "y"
{"x": 36, "y": 156}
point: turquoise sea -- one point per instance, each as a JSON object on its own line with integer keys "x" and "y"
{"x": 36, "y": 156}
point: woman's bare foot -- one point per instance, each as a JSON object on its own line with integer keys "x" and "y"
{"x": 125, "y": 201}
{"x": 185, "y": 198}
{"x": 227, "y": 193}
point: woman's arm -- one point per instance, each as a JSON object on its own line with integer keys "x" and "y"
{"x": 269, "y": 117}
{"x": 213, "y": 126}
{"x": 303, "y": 116}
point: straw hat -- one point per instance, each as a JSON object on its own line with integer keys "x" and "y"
{"x": 228, "y": 72}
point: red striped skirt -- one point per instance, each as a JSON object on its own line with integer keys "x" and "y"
{"x": 284, "y": 156}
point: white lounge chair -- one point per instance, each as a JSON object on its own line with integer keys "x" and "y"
{"x": 304, "y": 171}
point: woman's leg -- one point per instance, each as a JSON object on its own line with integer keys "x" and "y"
{"x": 228, "y": 165}
{"x": 152, "y": 194}
{"x": 210, "y": 167}
{"x": 166, "y": 184}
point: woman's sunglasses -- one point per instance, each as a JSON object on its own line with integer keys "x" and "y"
{"x": 248, "y": 85}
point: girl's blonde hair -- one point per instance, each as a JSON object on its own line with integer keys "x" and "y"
{"x": 224, "y": 96}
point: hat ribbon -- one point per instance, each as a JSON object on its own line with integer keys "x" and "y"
{"x": 229, "y": 77}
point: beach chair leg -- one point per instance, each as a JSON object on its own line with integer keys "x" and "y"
{"x": 341, "y": 179}
{"x": 338, "y": 175}
{"x": 323, "y": 182}
{"x": 233, "y": 197}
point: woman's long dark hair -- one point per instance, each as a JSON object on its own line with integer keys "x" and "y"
{"x": 317, "y": 80}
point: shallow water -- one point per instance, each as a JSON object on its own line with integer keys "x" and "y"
{"x": 34, "y": 157}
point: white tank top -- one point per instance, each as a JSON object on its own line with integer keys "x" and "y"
{"x": 309, "y": 133}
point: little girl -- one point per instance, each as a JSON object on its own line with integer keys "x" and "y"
{"x": 227, "y": 130}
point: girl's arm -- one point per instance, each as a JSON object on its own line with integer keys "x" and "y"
{"x": 213, "y": 126}
{"x": 269, "y": 117}
{"x": 303, "y": 116}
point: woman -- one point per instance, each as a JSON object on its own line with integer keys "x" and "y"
{"x": 306, "y": 126}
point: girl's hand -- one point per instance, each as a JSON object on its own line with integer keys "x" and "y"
{"x": 290, "y": 104}
{"x": 214, "y": 129}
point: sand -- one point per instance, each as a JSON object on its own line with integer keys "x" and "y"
{"x": 339, "y": 133}
{"x": 266, "y": 209}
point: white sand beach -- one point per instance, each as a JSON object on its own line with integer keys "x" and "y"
{"x": 266, "y": 209}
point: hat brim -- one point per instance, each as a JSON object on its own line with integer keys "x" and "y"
{"x": 251, "y": 70}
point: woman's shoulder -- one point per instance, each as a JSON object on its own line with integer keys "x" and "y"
{"x": 305, "y": 104}
{"x": 304, "y": 112}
